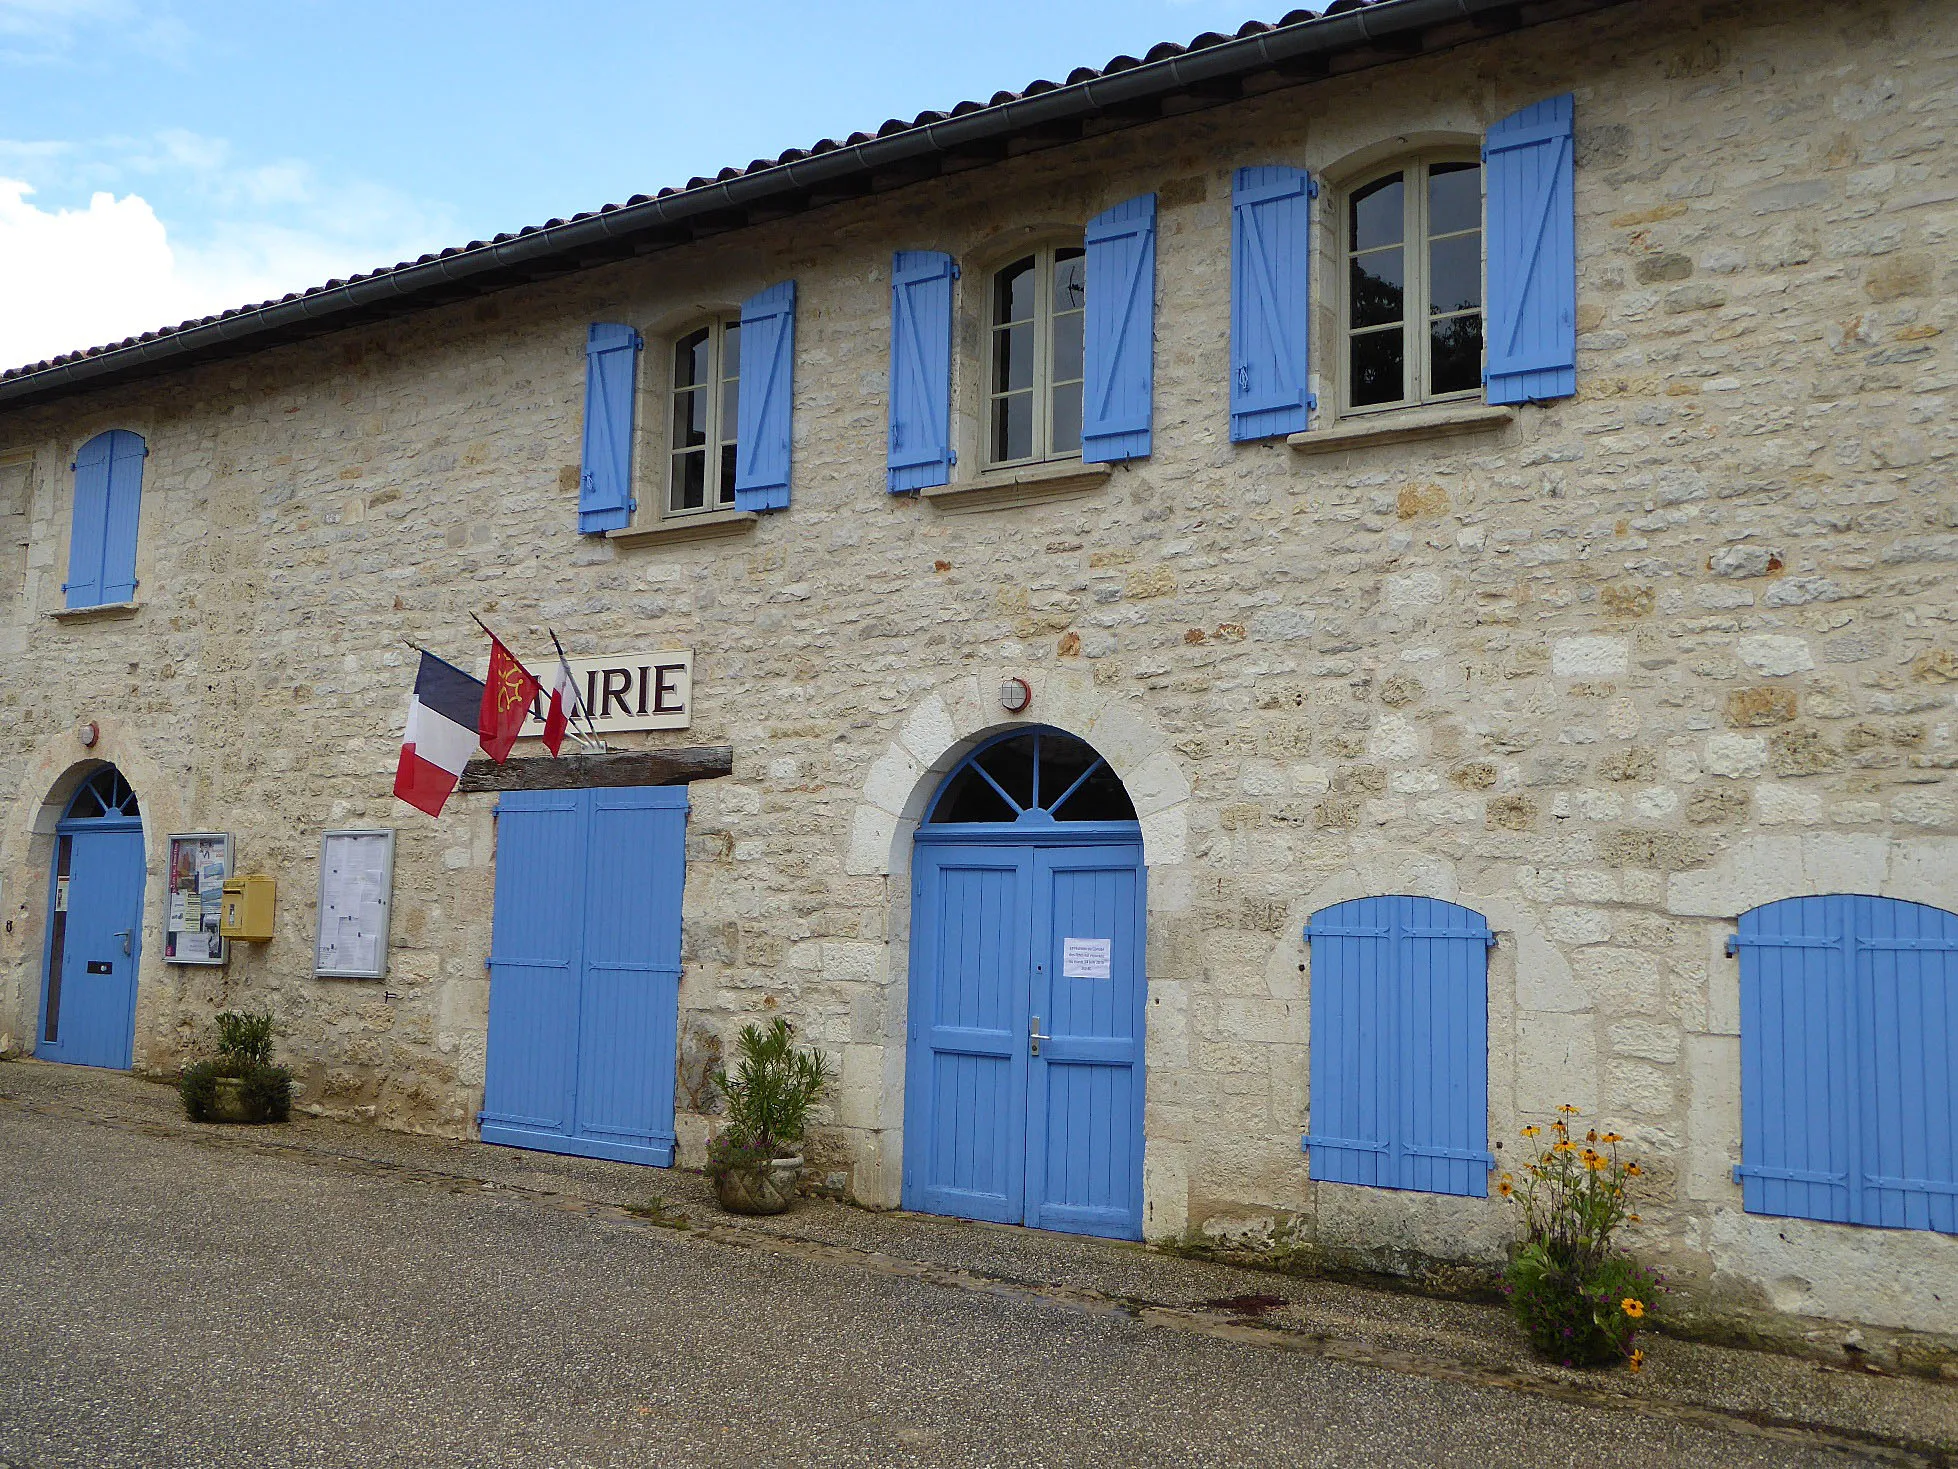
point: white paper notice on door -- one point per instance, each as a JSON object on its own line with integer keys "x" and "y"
{"x": 1086, "y": 958}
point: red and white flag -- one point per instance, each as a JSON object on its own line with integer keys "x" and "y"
{"x": 566, "y": 704}
{"x": 441, "y": 734}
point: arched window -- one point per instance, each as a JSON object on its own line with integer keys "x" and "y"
{"x": 1849, "y": 1061}
{"x": 1036, "y": 314}
{"x": 102, "y": 535}
{"x": 1411, "y": 312}
{"x": 1031, "y": 777}
{"x": 105, "y": 793}
{"x": 1400, "y": 1045}
{"x": 705, "y": 417}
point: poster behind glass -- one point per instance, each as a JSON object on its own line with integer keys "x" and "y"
{"x": 356, "y": 891}
{"x": 200, "y": 861}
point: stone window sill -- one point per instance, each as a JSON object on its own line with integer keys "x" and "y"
{"x": 677, "y": 528}
{"x": 101, "y": 612}
{"x": 1001, "y": 489}
{"x": 1404, "y": 426}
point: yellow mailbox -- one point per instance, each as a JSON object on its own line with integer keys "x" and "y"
{"x": 247, "y": 912}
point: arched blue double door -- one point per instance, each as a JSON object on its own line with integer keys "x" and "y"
{"x": 95, "y": 927}
{"x": 1024, "y": 1072}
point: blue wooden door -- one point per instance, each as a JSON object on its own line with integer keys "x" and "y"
{"x": 585, "y": 972}
{"x": 1084, "y": 1083}
{"x": 88, "y": 1009}
{"x": 1023, "y": 1102}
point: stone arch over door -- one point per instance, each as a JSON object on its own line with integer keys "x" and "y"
{"x": 56, "y": 767}
{"x": 940, "y": 731}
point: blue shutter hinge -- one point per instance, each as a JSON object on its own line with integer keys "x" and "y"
{"x": 486, "y": 963}
{"x": 1733, "y": 945}
{"x": 631, "y": 505}
{"x": 146, "y": 451}
{"x": 1312, "y": 402}
{"x": 955, "y": 270}
{"x": 1311, "y": 187}
{"x": 1737, "y": 1175}
{"x": 952, "y": 456}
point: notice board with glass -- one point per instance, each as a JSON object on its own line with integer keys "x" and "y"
{"x": 200, "y": 861}
{"x": 356, "y": 888}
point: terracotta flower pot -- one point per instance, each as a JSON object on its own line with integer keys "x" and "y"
{"x": 768, "y": 1189}
{"x": 228, "y": 1101}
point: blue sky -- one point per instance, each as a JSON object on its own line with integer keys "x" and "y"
{"x": 159, "y": 160}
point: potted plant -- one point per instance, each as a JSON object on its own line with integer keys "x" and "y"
{"x": 756, "y": 1159}
{"x": 239, "y": 1083}
{"x": 1578, "y": 1298}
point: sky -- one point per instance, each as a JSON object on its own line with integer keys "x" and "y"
{"x": 163, "y": 159}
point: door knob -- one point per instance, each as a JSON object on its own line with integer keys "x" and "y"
{"x": 123, "y": 934}
{"x": 1034, "y": 1037}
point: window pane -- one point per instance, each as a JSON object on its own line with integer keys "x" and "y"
{"x": 1101, "y": 798}
{"x": 1013, "y": 427}
{"x": 1064, "y": 419}
{"x": 1378, "y": 284}
{"x": 730, "y": 410}
{"x": 691, "y": 358}
{"x": 727, "y": 474}
{"x": 1377, "y": 214}
{"x": 1455, "y": 353}
{"x": 1455, "y": 273}
{"x": 1070, "y": 279}
{"x": 689, "y": 419}
{"x": 969, "y": 798}
{"x": 1062, "y": 762}
{"x": 1454, "y": 198}
{"x": 731, "y": 350}
{"x": 1067, "y": 346}
{"x": 1376, "y": 368}
{"x": 1012, "y": 358}
{"x": 1010, "y": 762}
{"x": 1013, "y": 292}
{"x": 689, "y": 480}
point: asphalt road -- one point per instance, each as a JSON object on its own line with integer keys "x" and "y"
{"x": 168, "y": 1301}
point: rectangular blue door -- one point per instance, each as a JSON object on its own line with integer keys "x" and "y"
{"x": 965, "y": 1099}
{"x": 1084, "y": 1107}
{"x": 1023, "y": 1102}
{"x": 585, "y": 972}
{"x": 88, "y": 1013}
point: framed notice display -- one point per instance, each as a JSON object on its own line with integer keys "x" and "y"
{"x": 356, "y": 885}
{"x": 200, "y": 861}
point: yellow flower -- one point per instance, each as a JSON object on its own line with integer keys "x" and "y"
{"x": 1505, "y": 1188}
{"x": 1562, "y": 1146}
{"x": 1612, "y": 1137}
{"x": 1591, "y": 1136}
{"x": 1635, "y": 1219}
{"x": 1593, "y": 1161}
{"x": 1568, "y": 1110}
{"x": 1638, "y": 1359}
{"x": 1532, "y": 1130}
{"x": 1632, "y": 1170}
{"x": 1632, "y": 1307}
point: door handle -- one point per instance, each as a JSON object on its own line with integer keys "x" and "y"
{"x": 123, "y": 934}
{"x": 1034, "y": 1037}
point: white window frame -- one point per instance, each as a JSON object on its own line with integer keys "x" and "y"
{"x": 1043, "y": 356}
{"x": 717, "y": 498}
{"x": 1415, "y": 355}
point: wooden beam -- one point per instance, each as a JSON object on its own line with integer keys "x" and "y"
{"x": 615, "y": 768}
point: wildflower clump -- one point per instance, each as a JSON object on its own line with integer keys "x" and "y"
{"x": 1578, "y": 1298}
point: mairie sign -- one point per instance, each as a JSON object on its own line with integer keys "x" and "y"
{"x": 624, "y": 691}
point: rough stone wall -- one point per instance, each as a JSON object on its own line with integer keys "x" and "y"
{"x": 1608, "y": 672}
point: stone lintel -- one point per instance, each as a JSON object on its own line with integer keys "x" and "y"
{"x": 1403, "y": 426}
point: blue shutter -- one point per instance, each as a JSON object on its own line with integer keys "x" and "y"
{"x": 1532, "y": 255}
{"x": 107, "y": 509}
{"x": 1400, "y": 1045}
{"x": 921, "y": 369}
{"x": 87, "y": 521}
{"x": 761, "y": 461}
{"x": 611, "y": 375}
{"x": 1848, "y": 1049}
{"x": 126, "y": 454}
{"x": 1271, "y": 233}
{"x": 1120, "y": 351}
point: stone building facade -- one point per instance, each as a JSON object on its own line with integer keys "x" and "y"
{"x": 1608, "y": 670}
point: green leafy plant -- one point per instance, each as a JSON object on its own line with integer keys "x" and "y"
{"x": 769, "y": 1098}
{"x": 1578, "y": 1298}
{"x": 244, "y": 1054}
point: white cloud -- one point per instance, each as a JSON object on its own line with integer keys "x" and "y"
{"x": 176, "y": 227}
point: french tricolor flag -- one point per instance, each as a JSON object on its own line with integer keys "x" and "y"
{"x": 441, "y": 734}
